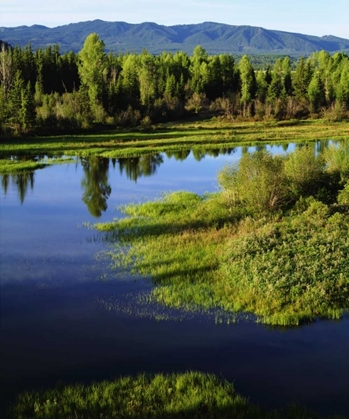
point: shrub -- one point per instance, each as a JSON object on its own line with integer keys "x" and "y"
{"x": 259, "y": 182}
{"x": 305, "y": 171}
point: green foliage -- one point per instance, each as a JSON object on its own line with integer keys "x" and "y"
{"x": 181, "y": 395}
{"x": 305, "y": 171}
{"x": 46, "y": 91}
{"x": 286, "y": 266}
{"x": 248, "y": 81}
{"x": 92, "y": 67}
{"x": 337, "y": 159}
{"x": 292, "y": 270}
{"x": 258, "y": 181}
{"x": 343, "y": 197}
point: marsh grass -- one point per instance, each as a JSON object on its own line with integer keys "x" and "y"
{"x": 287, "y": 264}
{"x": 210, "y": 134}
{"x": 13, "y": 166}
{"x": 181, "y": 395}
{"x": 8, "y": 166}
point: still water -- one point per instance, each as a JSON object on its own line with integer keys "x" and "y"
{"x": 67, "y": 317}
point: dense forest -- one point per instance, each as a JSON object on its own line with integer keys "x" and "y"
{"x": 46, "y": 92}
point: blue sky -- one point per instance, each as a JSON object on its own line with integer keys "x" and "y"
{"x": 313, "y": 17}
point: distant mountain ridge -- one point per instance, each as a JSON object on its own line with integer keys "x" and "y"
{"x": 214, "y": 37}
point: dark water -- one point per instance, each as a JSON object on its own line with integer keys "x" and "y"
{"x": 66, "y": 317}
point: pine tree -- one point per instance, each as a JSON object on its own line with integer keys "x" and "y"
{"x": 27, "y": 112}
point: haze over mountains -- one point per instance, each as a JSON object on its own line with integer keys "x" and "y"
{"x": 214, "y": 37}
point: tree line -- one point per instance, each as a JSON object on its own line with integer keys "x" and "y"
{"x": 45, "y": 92}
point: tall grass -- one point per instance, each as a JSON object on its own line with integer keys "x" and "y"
{"x": 182, "y": 395}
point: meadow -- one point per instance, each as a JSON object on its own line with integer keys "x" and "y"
{"x": 208, "y": 134}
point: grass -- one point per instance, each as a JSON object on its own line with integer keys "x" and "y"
{"x": 181, "y": 395}
{"x": 8, "y": 166}
{"x": 14, "y": 166}
{"x": 199, "y": 255}
{"x": 210, "y": 134}
{"x": 287, "y": 265}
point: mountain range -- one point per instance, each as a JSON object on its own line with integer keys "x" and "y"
{"x": 214, "y": 37}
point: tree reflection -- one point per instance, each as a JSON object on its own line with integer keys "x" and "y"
{"x": 139, "y": 166}
{"x": 178, "y": 154}
{"x": 23, "y": 181}
{"x": 95, "y": 184}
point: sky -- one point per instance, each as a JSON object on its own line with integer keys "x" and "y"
{"x": 311, "y": 17}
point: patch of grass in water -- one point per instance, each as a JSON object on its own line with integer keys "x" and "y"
{"x": 8, "y": 166}
{"x": 181, "y": 395}
{"x": 208, "y": 252}
{"x": 12, "y": 166}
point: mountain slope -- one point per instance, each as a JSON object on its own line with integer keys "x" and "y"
{"x": 214, "y": 37}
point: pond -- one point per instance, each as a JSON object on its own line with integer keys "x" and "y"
{"x": 67, "y": 317}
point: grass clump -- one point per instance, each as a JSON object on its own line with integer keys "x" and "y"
{"x": 181, "y": 395}
{"x": 274, "y": 241}
{"x": 8, "y": 166}
{"x": 25, "y": 164}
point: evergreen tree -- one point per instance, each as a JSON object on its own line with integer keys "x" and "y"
{"x": 27, "y": 113}
{"x": 302, "y": 78}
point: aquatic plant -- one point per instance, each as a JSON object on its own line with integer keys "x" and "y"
{"x": 181, "y": 395}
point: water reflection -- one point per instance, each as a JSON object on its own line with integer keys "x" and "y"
{"x": 95, "y": 184}
{"x": 22, "y": 181}
{"x": 137, "y": 167}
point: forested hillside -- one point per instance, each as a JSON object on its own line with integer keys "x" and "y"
{"x": 216, "y": 38}
{"x": 45, "y": 91}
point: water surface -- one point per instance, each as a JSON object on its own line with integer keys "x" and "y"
{"x": 66, "y": 317}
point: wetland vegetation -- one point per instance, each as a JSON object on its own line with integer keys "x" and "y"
{"x": 274, "y": 241}
{"x": 181, "y": 395}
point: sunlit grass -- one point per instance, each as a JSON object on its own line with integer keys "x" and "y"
{"x": 210, "y": 134}
{"x": 8, "y": 166}
{"x": 287, "y": 264}
{"x": 12, "y": 166}
{"x": 181, "y": 395}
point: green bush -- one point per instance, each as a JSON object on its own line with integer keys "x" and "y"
{"x": 305, "y": 171}
{"x": 257, "y": 182}
{"x": 292, "y": 270}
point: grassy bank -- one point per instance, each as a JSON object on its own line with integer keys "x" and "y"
{"x": 273, "y": 242}
{"x": 210, "y": 134}
{"x": 186, "y": 395}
